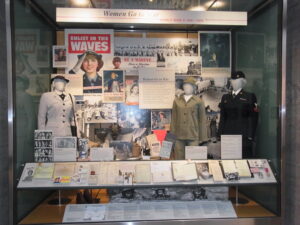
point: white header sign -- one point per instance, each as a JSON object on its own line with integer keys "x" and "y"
{"x": 89, "y": 15}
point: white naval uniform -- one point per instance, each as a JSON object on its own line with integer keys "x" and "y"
{"x": 56, "y": 114}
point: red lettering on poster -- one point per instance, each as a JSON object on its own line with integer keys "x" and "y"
{"x": 99, "y": 43}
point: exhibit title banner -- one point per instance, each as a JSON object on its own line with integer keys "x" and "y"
{"x": 89, "y": 15}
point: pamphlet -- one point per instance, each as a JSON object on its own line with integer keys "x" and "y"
{"x": 166, "y": 149}
{"x": 142, "y": 173}
{"x": 44, "y": 171}
{"x": 184, "y": 171}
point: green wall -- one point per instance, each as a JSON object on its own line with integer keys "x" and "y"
{"x": 256, "y": 54}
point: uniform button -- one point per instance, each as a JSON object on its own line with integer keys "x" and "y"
{"x": 64, "y": 110}
{"x": 64, "y": 104}
{"x": 63, "y": 115}
{"x": 63, "y": 121}
{"x": 184, "y": 113}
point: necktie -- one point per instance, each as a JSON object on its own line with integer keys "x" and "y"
{"x": 62, "y": 96}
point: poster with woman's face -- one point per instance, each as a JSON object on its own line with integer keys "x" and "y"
{"x": 132, "y": 90}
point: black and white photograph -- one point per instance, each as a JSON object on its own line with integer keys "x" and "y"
{"x": 83, "y": 145}
{"x": 160, "y": 119}
{"x": 133, "y": 117}
{"x": 132, "y": 90}
{"x": 43, "y": 135}
{"x": 114, "y": 91}
{"x": 43, "y": 151}
{"x": 215, "y": 49}
{"x": 95, "y": 111}
{"x": 203, "y": 170}
{"x": 64, "y": 142}
{"x": 43, "y": 143}
{"x": 122, "y": 149}
{"x": 65, "y": 149}
{"x": 60, "y": 56}
{"x": 43, "y": 154}
{"x": 166, "y": 51}
{"x": 159, "y": 47}
{"x": 28, "y": 173}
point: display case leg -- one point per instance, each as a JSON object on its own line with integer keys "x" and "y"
{"x": 237, "y": 195}
{"x": 59, "y": 198}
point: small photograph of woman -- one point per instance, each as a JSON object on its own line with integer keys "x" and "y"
{"x": 132, "y": 91}
{"x": 59, "y": 56}
{"x": 114, "y": 86}
{"x": 91, "y": 65}
{"x": 160, "y": 119}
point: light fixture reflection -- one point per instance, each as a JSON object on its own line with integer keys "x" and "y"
{"x": 197, "y": 8}
{"x": 217, "y": 4}
{"x": 81, "y": 2}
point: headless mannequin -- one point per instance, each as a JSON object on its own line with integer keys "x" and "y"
{"x": 188, "y": 121}
{"x": 59, "y": 86}
{"x": 56, "y": 111}
{"x": 239, "y": 114}
{"x": 188, "y": 91}
{"x": 238, "y": 85}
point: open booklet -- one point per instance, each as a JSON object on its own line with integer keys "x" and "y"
{"x": 184, "y": 171}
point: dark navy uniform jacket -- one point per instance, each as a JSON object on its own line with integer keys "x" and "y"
{"x": 92, "y": 87}
{"x": 238, "y": 114}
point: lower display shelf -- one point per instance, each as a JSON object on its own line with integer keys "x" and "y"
{"x": 46, "y": 213}
{"x": 128, "y": 174}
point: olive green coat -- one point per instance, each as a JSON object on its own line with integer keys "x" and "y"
{"x": 189, "y": 119}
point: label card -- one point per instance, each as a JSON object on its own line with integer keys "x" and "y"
{"x": 102, "y": 154}
{"x": 195, "y": 152}
{"x": 231, "y": 146}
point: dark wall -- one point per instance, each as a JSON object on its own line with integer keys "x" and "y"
{"x": 4, "y": 210}
{"x": 292, "y": 175}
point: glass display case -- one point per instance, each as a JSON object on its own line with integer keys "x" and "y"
{"x": 135, "y": 120}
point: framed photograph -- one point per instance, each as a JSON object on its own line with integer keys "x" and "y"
{"x": 160, "y": 119}
{"x": 114, "y": 91}
{"x": 95, "y": 111}
{"x": 60, "y": 56}
{"x": 65, "y": 149}
{"x": 132, "y": 90}
{"x": 215, "y": 50}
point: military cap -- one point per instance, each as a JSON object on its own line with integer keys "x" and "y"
{"x": 190, "y": 80}
{"x": 90, "y": 52}
{"x": 237, "y": 74}
{"x": 59, "y": 77}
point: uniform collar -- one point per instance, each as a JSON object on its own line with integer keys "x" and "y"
{"x": 94, "y": 79}
{"x": 240, "y": 91}
{"x": 182, "y": 98}
{"x": 58, "y": 93}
